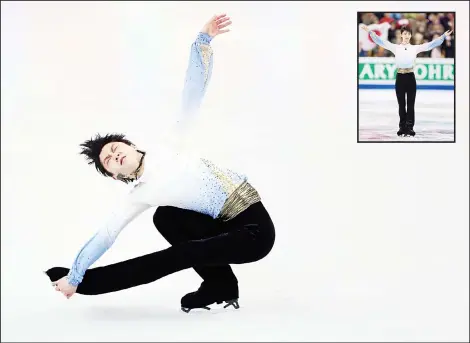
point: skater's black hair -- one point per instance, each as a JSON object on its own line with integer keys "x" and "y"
{"x": 406, "y": 28}
{"x": 92, "y": 148}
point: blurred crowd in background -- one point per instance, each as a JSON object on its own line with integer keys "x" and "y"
{"x": 425, "y": 27}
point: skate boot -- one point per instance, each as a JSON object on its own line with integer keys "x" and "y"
{"x": 401, "y": 131}
{"x": 409, "y": 132}
{"x": 56, "y": 273}
{"x": 210, "y": 293}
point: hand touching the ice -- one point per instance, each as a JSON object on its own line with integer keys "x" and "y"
{"x": 216, "y": 25}
{"x": 62, "y": 285}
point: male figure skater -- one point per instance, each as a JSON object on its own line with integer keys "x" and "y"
{"x": 211, "y": 216}
{"x": 405, "y": 83}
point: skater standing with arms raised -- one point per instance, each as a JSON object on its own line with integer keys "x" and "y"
{"x": 405, "y": 83}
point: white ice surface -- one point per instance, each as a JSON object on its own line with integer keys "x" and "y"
{"x": 372, "y": 240}
{"x": 378, "y": 116}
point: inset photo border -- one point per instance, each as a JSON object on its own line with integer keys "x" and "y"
{"x": 406, "y": 71}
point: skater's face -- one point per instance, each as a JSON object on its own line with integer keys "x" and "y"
{"x": 405, "y": 36}
{"x": 120, "y": 158}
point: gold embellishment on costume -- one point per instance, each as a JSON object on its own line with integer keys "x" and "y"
{"x": 227, "y": 184}
{"x": 206, "y": 52}
{"x": 238, "y": 201}
{"x": 404, "y": 70}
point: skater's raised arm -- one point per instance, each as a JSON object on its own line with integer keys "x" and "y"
{"x": 198, "y": 75}
{"x": 431, "y": 45}
{"x": 200, "y": 65}
{"x": 379, "y": 41}
{"x": 102, "y": 240}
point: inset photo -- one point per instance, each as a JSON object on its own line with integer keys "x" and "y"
{"x": 406, "y": 77}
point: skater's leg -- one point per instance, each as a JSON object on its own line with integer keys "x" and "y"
{"x": 400, "y": 91}
{"x": 178, "y": 225}
{"x": 247, "y": 238}
{"x": 411, "y": 96}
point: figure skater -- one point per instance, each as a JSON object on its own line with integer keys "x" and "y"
{"x": 405, "y": 83}
{"x": 211, "y": 216}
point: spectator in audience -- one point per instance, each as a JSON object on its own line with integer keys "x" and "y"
{"x": 387, "y": 18}
{"x": 425, "y": 28}
{"x": 449, "y": 47}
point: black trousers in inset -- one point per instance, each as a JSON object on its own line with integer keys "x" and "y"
{"x": 405, "y": 84}
{"x": 247, "y": 238}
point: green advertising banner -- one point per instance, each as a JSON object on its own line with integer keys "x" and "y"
{"x": 428, "y": 71}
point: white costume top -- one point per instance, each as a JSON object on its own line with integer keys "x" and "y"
{"x": 405, "y": 54}
{"x": 169, "y": 178}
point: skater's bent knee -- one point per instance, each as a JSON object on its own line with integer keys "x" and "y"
{"x": 258, "y": 244}
{"x": 264, "y": 249}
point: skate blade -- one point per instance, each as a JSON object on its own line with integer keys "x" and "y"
{"x": 228, "y": 303}
{"x": 187, "y": 309}
{"x": 233, "y": 302}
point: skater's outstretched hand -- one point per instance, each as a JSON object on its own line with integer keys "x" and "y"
{"x": 62, "y": 285}
{"x": 365, "y": 28}
{"x": 215, "y": 26}
{"x": 448, "y": 33}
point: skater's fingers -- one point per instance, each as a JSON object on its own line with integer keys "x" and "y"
{"x": 223, "y": 20}
{"x": 225, "y": 25}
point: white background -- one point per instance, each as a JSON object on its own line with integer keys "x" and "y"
{"x": 372, "y": 239}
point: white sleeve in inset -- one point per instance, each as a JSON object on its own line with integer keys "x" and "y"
{"x": 384, "y": 44}
{"x": 431, "y": 45}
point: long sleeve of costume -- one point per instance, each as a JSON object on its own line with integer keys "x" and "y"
{"x": 431, "y": 45}
{"x": 103, "y": 240}
{"x": 384, "y": 44}
{"x": 198, "y": 75}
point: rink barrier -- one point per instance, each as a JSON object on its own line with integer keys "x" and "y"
{"x": 430, "y": 73}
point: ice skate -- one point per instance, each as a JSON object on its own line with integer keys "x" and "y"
{"x": 409, "y": 132}
{"x": 56, "y": 273}
{"x": 401, "y": 132}
{"x": 209, "y": 294}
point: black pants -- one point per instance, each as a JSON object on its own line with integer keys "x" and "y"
{"x": 177, "y": 225}
{"x": 200, "y": 242}
{"x": 405, "y": 84}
